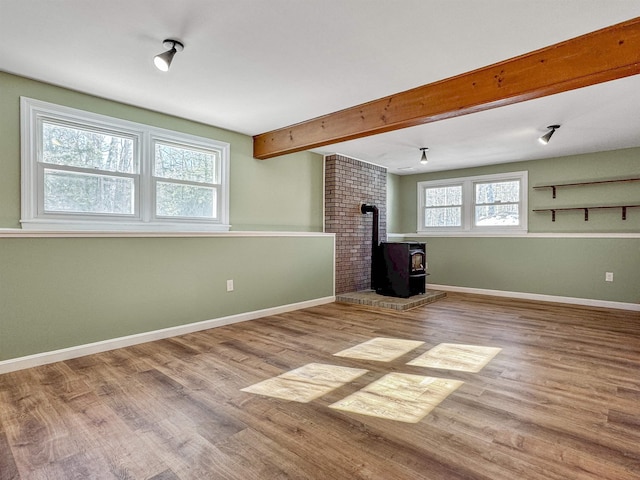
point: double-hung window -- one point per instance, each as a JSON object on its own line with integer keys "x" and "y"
{"x": 496, "y": 203}
{"x": 91, "y": 172}
{"x": 443, "y": 206}
{"x": 185, "y": 181}
{"x": 86, "y": 171}
{"x": 485, "y": 204}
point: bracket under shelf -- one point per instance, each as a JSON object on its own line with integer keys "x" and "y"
{"x": 553, "y": 187}
{"x": 586, "y": 210}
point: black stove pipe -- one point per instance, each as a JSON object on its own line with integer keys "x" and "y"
{"x": 364, "y": 209}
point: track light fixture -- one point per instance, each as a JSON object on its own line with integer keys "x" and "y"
{"x": 544, "y": 139}
{"x": 163, "y": 60}
{"x": 423, "y": 158}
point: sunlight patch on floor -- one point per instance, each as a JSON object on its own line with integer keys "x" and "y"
{"x": 306, "y": 383}
{"x": 380, "y": 349}
{"x": 396, "y": 396}
{"x": 399, "y": 396}
{"x": 452, "y": 356}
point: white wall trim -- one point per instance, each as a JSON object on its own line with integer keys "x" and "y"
{"x": 324, "y": 194}
{"x": 334, "y": 265}
{"x": 401, "y": 236}
{"x": 539, "y": 297}
{"x": 44, "y": 358}
{"x": 20, "y": 233}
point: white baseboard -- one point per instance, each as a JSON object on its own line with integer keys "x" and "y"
{"x": 44, "y": 358}
{"x": 539, "y": 297}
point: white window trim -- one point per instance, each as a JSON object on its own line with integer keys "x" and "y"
{"x": 31, "y": 111}
{"x": 468, "y": 205}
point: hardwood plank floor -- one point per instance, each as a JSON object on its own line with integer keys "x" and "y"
{"x": 560, "y": 401}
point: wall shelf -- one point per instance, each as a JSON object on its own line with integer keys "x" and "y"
{"x": 586, "y": 210}
{"x": 579, "y": 184}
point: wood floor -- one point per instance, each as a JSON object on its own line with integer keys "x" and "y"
{"x": 560, "y": 401}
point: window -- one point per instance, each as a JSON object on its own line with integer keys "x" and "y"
{"x": 489, "y": 204}
{"x": 86, "y": 171}
{"x": 443, "y": 206}
{"x": 497, "y": 203}
{"x": 185, "y": 181}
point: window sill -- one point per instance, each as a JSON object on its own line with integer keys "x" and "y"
{"x": 22, "y": 233}
{"x": 404, "y": 236}
{"x": 120, "y": 227}
{"x": 472, "y": 233}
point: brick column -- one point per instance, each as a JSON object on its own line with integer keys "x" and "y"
{"x": 348, "y": 184}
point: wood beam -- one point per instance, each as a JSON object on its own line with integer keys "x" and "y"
{"x": 601, "y": 56}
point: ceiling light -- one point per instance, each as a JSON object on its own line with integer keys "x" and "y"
{"x": 544, "y": 139}
{"x": 423, "y": 159}
{"x": 163, "y": 60}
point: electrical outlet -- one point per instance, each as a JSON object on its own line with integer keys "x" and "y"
{"x": 229, "y": 285}
{"x": 608, "y": 277}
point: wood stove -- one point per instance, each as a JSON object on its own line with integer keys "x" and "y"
{"x": 401, "y": 269}
{"x": 397, "y": 269}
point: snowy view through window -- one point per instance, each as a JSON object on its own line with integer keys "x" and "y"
{"x": 497, "y": 203}
{"x": 443, "y": 206}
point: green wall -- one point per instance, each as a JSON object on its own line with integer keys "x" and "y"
{"x": 62, "y": 292}
{"x": 394, "y": 207}
{"x": 283, "y": 194}
{"x": 566, "y": 267}
{"x": 557, "y": 258}
{"x": 576, "y": 168}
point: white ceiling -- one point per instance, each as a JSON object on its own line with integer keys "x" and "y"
{"x": 256, "y": 65}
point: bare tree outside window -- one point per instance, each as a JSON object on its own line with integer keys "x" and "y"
{"x": 497, "y": 203}
{"x": 443, "y": 206}
{"x": 482, "y": 205}
{"x": 86, "y": 171}
{"x": 92, "y": 186}
{"x": 194, "y": 172}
